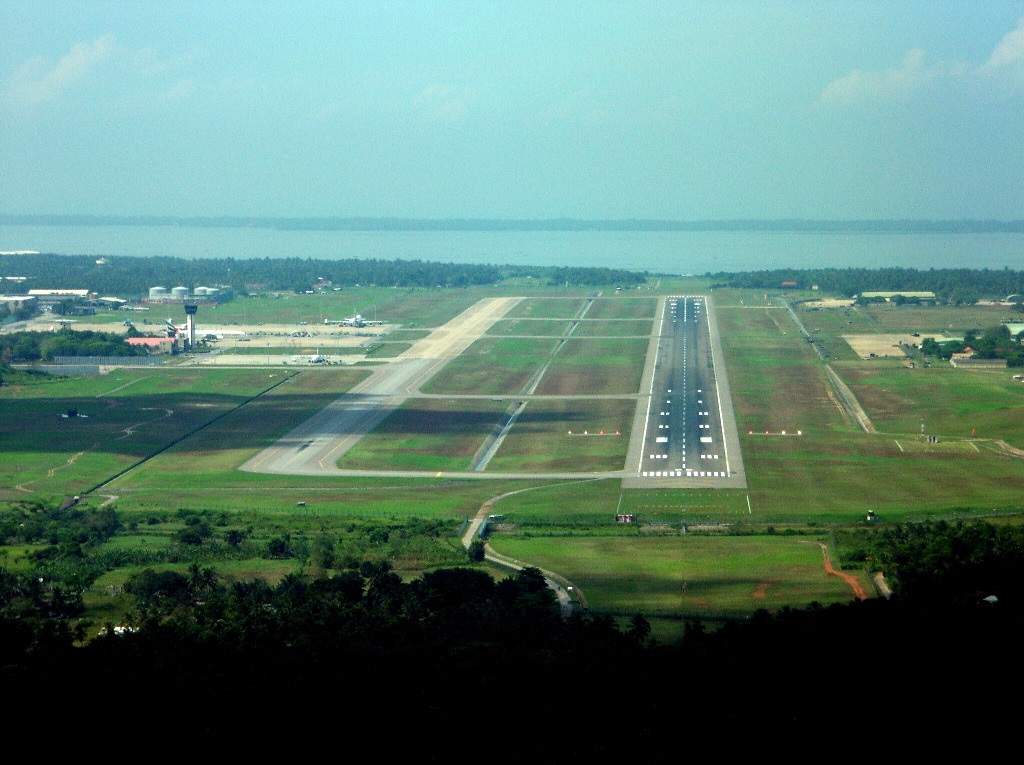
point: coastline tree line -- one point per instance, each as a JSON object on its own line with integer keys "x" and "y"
{"x": 951, "y": 285}
{"x": 133, "y": 276}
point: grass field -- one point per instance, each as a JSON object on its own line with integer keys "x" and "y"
{"x": 893, "y": 318}
{"x": 540, "y": 439}
{"x": 530, "y": 327}
{"x": 493, "y": 366}
{"x": 221, "y": 447}
{"x": 614, "y": 328}
{"x": 833, "y": 473}
{"x": 427, "y": 434}
{"x": 546, "y": 308}
{"x": 290, "y": 308}
{"x": 585, "y": 366}
{"x": 685, "y": 575}
{"x": 129, "y": 415}
{"x": 623, "y": 308}
{"x": 952, "y": 403}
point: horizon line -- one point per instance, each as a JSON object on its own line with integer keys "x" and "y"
{"x": 398, "y": 223}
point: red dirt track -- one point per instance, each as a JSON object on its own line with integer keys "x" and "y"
{"x": 859, "y": 591}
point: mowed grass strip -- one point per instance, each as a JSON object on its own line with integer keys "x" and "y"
{"x": 540, "y": 439}
{"x": 492, "y": 366}
{"x": 622, "y": 308}
{"x": 839, "y": 480}
{"x": 834, "y": 472}
{"x": 530, "y": 327}
{"x": 408, "y": 335}
{"x": 616, "y": 328}
{"x": 546, "y": 308}
{"x": 950, "y": 402}
{"x": 129, "y": 414}
{"x": 388, "y": 350}
{"x": 587, "y": 366}
{"x": 777, "y": 381}
{"x": 940, "y": 319}
{"x": 230, "y": 441}
{"x": 685, "y": 575}
{"x": 426, "y": 434}
{"x": 331, "y": 498}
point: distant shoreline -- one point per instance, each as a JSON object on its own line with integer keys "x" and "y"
{"x": 553, "y": 224}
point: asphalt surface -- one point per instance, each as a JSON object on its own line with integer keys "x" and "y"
{"x": 684, "y": 400}
{"x": 688, "y": 435}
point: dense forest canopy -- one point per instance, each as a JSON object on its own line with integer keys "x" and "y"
{"x": 992, "y": 343}
{"x": 16, "y": 347}
{"x": 133, "y": 276}
{"x": 360, "y": 638}
{"x": 958, "y": 285}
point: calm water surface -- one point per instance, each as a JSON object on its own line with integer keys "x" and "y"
{"x": 674, "y": 252}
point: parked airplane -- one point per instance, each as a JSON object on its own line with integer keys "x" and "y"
{"x": 354, "y": 321}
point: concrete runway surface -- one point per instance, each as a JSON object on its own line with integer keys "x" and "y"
{"x": 315, "y": 446}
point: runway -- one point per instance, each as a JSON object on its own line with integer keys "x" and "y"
{"x": 684, "y": 433}
{"x": 315, "y": 446}
{"x": 686, "y": 436}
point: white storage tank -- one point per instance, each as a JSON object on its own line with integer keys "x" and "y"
{"x": 179, "y": 293}
{"x": 157, "y": 293}
{"x": 201, "y": 291}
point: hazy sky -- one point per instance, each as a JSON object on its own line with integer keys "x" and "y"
{"x": 683, "y": 110}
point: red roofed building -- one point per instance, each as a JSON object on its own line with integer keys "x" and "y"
{"x": 166, "y": 345}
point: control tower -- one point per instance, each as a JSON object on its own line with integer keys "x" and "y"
{"x": 190, "y": 324}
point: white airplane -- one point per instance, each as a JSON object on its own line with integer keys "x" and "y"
{"x": 220, "y": 333}
{"x": 354, "y": 321}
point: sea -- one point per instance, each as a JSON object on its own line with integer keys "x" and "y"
{"x": 655, "y": 252}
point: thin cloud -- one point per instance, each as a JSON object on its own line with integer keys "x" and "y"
{"x": 1010, "y": 50}
{"x": 896, "y": 84}
{"x": 39, "y": 80}
{"x": 179, "y": 91}
{"x": 1004, "y": 68}
{"x": 443, "y": 103}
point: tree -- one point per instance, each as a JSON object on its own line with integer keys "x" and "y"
{"x": 234, "y": 537}
{"x": 639, "y": 629}
{"x": 476, "y": 551}
{"x": 277, "y": 547}
{"x": 161, "y": 589}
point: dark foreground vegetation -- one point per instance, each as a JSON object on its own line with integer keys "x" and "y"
{"x": 359, "y": 656}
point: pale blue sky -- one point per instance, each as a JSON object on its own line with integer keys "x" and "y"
{"x": 682, "y": 110}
